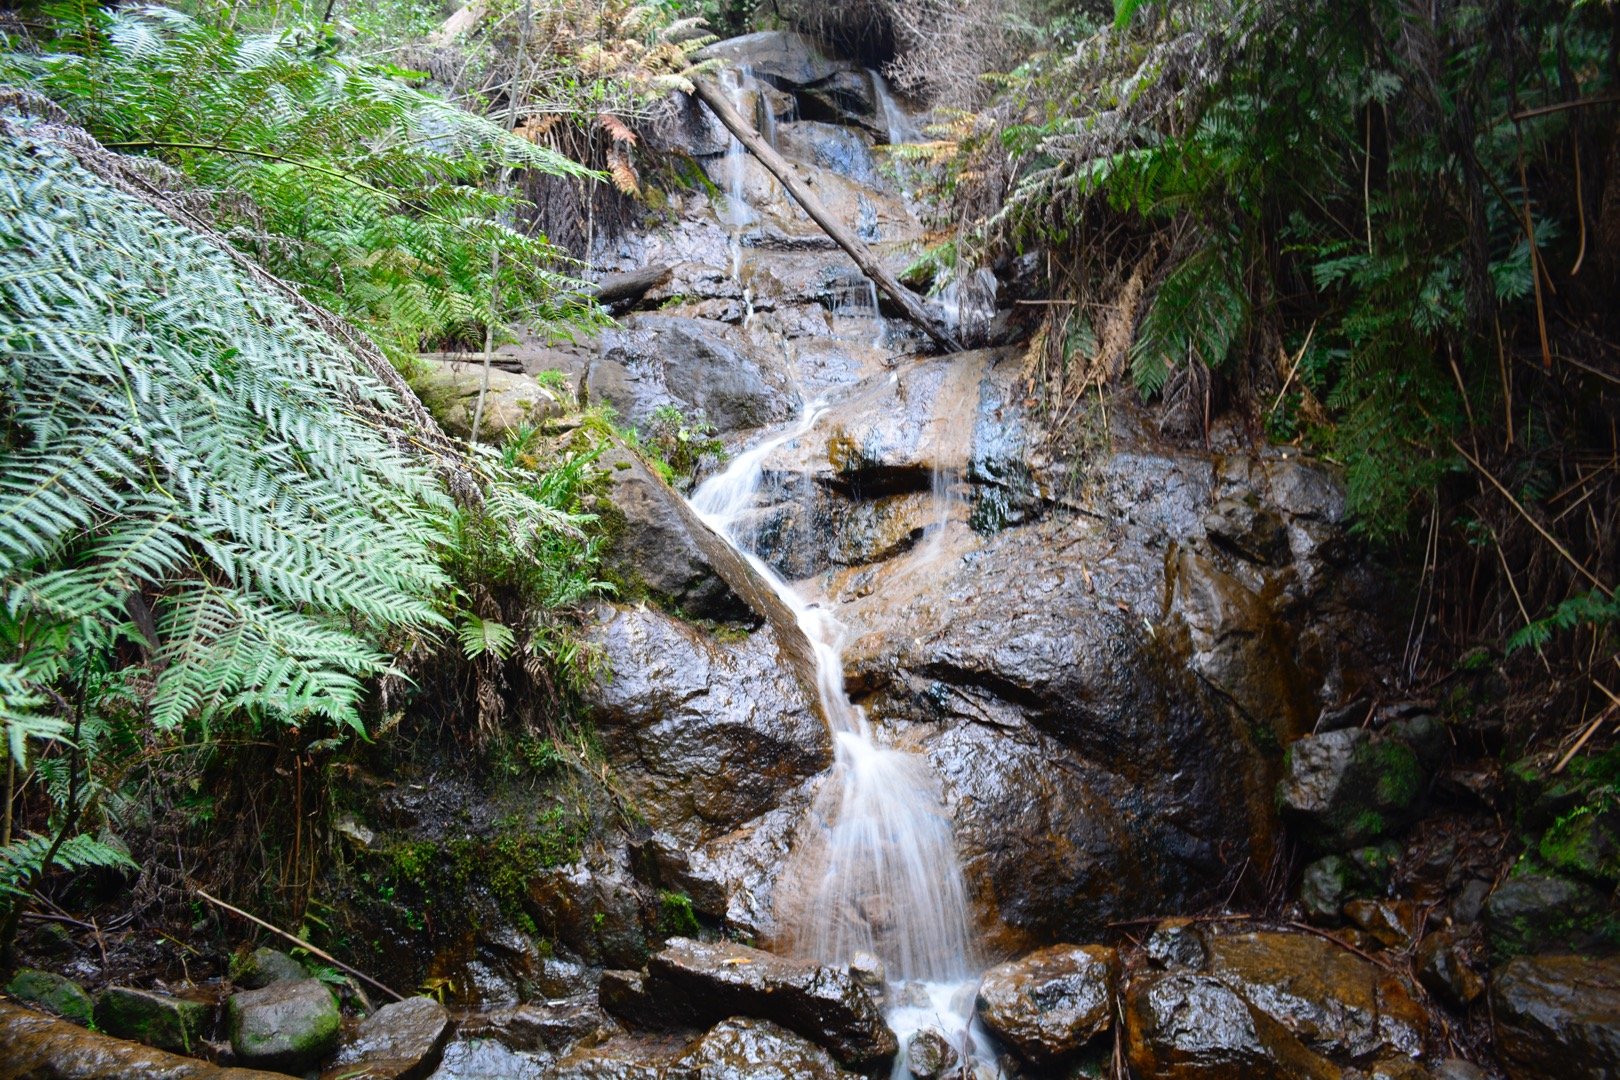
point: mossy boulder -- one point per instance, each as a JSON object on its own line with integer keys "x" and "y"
{"x": 1584, "y": 843}
{"x": 168, "y": 1023}
{"x": 64, "y": 997}
{"x": 1348, "y": 789}
{"x": 1537, "y": 912}
{"x": 287, "y": 1025}
{"x": 263, "y": 966}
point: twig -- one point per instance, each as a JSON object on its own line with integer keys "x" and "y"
{"x": 1291, "y": 371}
{"x": 1591, "y": 729}
{"x": 1578, "y": 103}
{"x": 1534, "y": 524}
{"x": 300, "y": 942}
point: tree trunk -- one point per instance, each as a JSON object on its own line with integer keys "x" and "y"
{"x": 779, "y": 168}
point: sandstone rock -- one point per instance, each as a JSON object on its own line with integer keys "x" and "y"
{"x": 403, "y": 1040}
{"x": 1442, "y": 963}
{"x": 62, "y": 996}
{"x": 930, "y": 1055}
{"x": 1344, "y": 789}
{"x": 1558, "y": 1016}
{"x": 287, "y": 1025}
{"x": 1193, "y": 1027}
{"x": 1332, "y": 1000}
{"x": 1049, "y": 1004}
{"x": 751, "y": 1049}
{"x": 1392, "y": 923}
{"x": 40, "y": 1046}
{"x": 1534, "y": 913}
{"x": 719, "y": 979}
{"x": 168, "y": 1023}
{"x": 264, "y": 966}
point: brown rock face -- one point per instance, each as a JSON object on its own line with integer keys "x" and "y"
{"x": 1194, "y": 1027}
{"x": 1049, "y": 1004}
{"x": 35, "y": 1045}
{"x": 1332, "y": 1000}
{"x": 1558, "y": 1017}
{"x": 744, "y": 1049}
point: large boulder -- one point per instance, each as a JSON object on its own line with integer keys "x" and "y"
{"x": 169, "y": 1023}
{"x": 782, "y": 57}
{"x": 1050, "y": 1004}
{"x": 449, "y": 388}
{"x": 263, "y": 966}
{"x": 1558, "y": 1016}
{"x": 749, "y": 1049}
{"x": 287, "y": 1025}
{"x": 1536, "y": 913}
{"x": 691, "y": 983}
{"x": 403, "y": 1040}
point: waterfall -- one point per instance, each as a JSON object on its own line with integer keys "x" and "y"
{"x": 900, "y": 128}
{"x": 888, "y": 882}
{"x": 738, "y": 215}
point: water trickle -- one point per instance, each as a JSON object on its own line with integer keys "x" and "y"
{"x": 899, "y": 125}
{"x": 941, "y": 496}
{"x": 887, "y": 880}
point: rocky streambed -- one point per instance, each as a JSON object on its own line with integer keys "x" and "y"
{"x": 1203, "y": 830}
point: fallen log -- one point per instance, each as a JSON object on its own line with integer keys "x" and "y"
{"x": 721, "y": 106}
{"x": 631, "y": 285}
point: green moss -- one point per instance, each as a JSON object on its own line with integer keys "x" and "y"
{"x": 1400, "y": 776}
{"x": 1583, "y": 842}
{"x": 675, "y": 915}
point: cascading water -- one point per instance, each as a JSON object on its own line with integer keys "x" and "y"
{"x": 899, "y": 125}
{"x": 737, "y": 215}
{"x": 887, "y": 881}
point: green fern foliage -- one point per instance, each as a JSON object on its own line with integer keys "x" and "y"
{"x": 175, "y": 437}
{"x": 331, "y": 172}
{"x": 1198, "y": 313}
{"x": 22, "y": 860}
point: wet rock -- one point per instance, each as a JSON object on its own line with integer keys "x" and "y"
{"x": 705, "y": 735}
{"x": 595, "y": 908}
{"x": 1585, "y": 845}
{"x": 551, "y": 1026}
{"x": 1443, "y": 965}
{"x": 1557, "y": 1016}
{"x": 264, "y": 966}
{"x": 1344, "y": 789}
{"x": 1535, "y": 913}
{"x": 1049, "y": 1004}
{"x": 825, "y": 1005}
{"x": 486, "y": 1059}
{"x": 403, "y": 1040}
{"x": 449, "y": 388}
{"x": 41, "y": 1047}
{"x": 287, "y": 1025}
{"x": 1392, "y": 923}
{"x": 631, "y": 996}
{"x": 1177, "y": 943}
{"x": 1332, "y": 1000}
{"x": 660, "y": 547}
{"x": 868, "y": 970}
{"x": 1251, "y": 531}
{"x": 930, "y": 1056}
{"x": 64, "y": 997}
{"x": 1458, "y": 1069}
{"x": 751, "y": 1049}
{"x": 1397, "y": 1069}
{"x": 842, "y": 150}
{"x": 658, "y": 360}
{"x": 1194, "y": 1027}
{"x": 168, "y": 1023}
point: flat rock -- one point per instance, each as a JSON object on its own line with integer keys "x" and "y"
{"x": 1049, "y": 1004}
{"x": 62, "y": 996}
{"x": 721, "y": 980}
{"x": 1558, "y": 1016}
{"x": 403, "y": 1040}
{"x": 287, "y": 1025}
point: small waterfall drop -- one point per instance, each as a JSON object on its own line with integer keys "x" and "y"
{"x": 737, "y": 215}
{"x": 888, "y": 881}
{"x": 899, "y": 125}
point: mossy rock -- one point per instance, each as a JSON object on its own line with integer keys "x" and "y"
{"x": 1347, "y": 789}
{"x": 1584, "y": 843}
{"x": 64, "y": 997}
{"x": 287, "y": 1025}
{"x": 168, "y": 1023}
{"x": 263, "y": 966}
{"x": 1535, "y": 912}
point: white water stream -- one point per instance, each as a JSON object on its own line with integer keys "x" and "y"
{"x": 888, "y": 882}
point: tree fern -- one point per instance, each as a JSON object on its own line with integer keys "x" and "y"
{"x": 1198, "y": 312}
{"x": 175, "y": 432}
